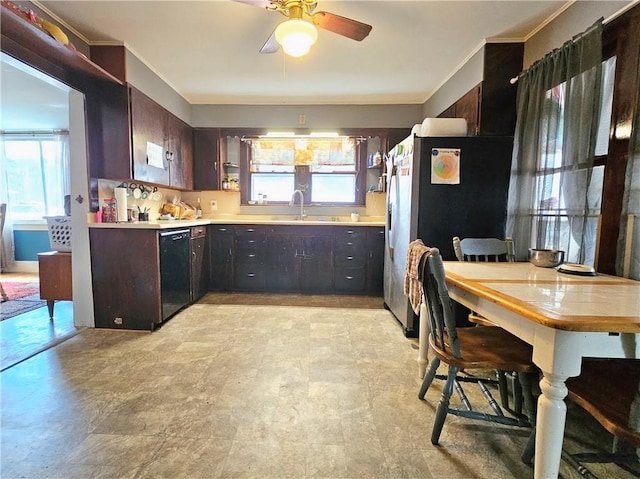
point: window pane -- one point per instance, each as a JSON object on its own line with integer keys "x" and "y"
{"x": 277, "y": 187}
{"x": 333, "y": 188}
{"x": 608, "y": 75}
{"x": 35, "y": 178}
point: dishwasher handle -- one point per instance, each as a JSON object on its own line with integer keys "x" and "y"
{"x": 175, "y": 235}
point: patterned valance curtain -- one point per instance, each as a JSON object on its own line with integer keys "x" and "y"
{"x": 628, "y": 257}
{"x": 303, "y": 151}
{"x": 551, "y": 203}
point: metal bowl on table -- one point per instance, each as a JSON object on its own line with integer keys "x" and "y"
{"x": 546, "y": 258}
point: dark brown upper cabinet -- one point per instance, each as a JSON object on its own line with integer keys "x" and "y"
{"x": 490, "y": 106}
{"x": 206, "y": 158}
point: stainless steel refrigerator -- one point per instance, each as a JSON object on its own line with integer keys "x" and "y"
{"x": 438, "y": 188}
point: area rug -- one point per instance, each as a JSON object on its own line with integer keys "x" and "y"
{"x": 23, "y": 297}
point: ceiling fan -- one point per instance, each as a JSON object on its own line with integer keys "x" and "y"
{"x": 299, "y": 32}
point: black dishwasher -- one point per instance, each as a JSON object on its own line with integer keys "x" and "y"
{"x": 175, "y": 271}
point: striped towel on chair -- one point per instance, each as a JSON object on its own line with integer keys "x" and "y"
{"x": 412, "y": 289}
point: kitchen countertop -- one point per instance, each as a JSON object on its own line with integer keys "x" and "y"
{"x": 243, "y": 220}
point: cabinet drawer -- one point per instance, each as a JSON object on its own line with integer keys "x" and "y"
{"x": 250, "y": 231}
{"x": 350, "y": 259}
{"x": 349, "y": 280}
{"x": 343, "y": 235}
{"x": 249, "y": 278}
{"x": 217, "y": 230}
{"x": 249, "y": 256}
{"x": 375, "y": 237}
{"x": 198, "y": 231}
{"x": 349, "y": 247}
{"x": 249, "y": 242}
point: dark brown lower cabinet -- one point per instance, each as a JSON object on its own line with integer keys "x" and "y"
{"x": 375, "y": 269}
{"x": 300, "y": 259}
{"x": 221, "y": 238}
{"x": 250, "y": 258}
{"x": 296, "y": 259}
{"x": 199, "y": 263}
{"x": 125, "y": 265}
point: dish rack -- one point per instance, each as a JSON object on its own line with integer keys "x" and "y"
{"x": 59, "y": 233}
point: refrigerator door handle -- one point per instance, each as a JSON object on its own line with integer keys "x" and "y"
{"x": 394, "y": 193}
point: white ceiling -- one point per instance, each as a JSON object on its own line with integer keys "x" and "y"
{"x": 208, "y": 50}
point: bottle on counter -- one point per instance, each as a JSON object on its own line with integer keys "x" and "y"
{"x": 198, "y": 209}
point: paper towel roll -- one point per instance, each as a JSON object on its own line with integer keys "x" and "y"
{"x": 417, "y": 128}
{"x": 121, "y": 204}
{"x": 444, "y": 127}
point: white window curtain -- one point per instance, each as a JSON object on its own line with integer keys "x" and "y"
{"x": 554, "y": 197}
{"x": 7, "y": 253}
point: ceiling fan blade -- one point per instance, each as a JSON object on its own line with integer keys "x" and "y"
{"x": 271, "y": 45}
{"x": 256, "y": 3}
{"x": 341, "y": 25}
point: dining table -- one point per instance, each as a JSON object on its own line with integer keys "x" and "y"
{"x": 565, "y": 317}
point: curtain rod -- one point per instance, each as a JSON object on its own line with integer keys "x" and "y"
{"x": 33, "y": 133}
{"x": 576, "y": 37}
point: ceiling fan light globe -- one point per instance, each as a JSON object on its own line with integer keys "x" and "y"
{"x": 296, "y": 36}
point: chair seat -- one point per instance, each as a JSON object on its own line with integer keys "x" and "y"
{"x": 488, "y": 348}
{"x": 606, "y": 389}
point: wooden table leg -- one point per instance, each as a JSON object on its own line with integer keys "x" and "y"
{"x": 50, "y": 303}
{"x": 552, "y": 413}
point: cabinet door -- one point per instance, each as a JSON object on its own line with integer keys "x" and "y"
{"x": 316, "y": 264}
{"x": 375, "y": 267}
{"x": 148, "y": 125}
{"x": 126, "y": 289}
{"x": 108, "y": 133}
{"x": 199, "y": 269}
{"x": 205, "y": 158}
{"x": 283, "y": 265}
{"x": 180, "y": 149}
{"x": 220, "y": 257}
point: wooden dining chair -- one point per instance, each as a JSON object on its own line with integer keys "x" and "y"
{"x": 491, "y": 249}
{"x": 609, "y": 390}
{"x": 466, "y": 349}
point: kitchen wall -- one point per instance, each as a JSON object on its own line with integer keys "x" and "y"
{"x": 575, "y": 19}
{"x": 317, "y": 116}
{"x": 459, "y": 83}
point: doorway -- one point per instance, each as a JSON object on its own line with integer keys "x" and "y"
{"x": 32, "y": 101}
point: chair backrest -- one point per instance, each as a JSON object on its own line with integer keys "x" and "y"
{"x": 484, "y": 249}
{"x": 442, "y": 319}
{"x": 3, "y": 213}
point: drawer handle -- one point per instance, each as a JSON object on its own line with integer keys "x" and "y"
{"x": 349, "y": 232}
{"x": 251, "y": 275}
{"x": 251, "y": 241}
{"x": 349, "y": 277}
{"x": 251, "y": 255}
{"x": 222, "y": 230}
{"x": 349, "y": 243}
{"x": 250, "y": 230}
{"x": 349, "y": 258}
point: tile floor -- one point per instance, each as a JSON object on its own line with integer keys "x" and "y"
{"x": 247, "y": 391}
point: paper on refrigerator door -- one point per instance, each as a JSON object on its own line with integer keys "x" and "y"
{"x": 445, "y": 166}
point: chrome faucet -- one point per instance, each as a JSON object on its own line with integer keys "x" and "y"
{"x": 293, "y": 200}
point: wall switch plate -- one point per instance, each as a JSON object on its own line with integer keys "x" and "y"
{"x": 214, "y": 205}
{"x": 302, "y": 119}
